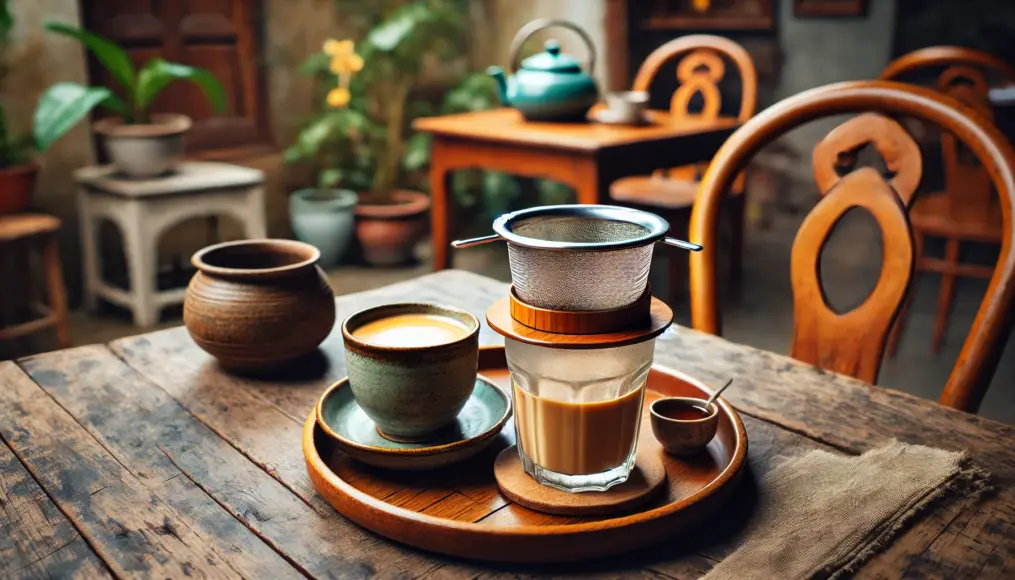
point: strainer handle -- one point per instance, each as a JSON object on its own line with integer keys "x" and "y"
{"x": 690, "y": 246}
{"x": 459, "y": 244}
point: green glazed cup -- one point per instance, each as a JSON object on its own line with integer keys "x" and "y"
{"x": 411, "y": 392}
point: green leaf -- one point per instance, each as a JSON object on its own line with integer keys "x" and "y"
{"x": 112, "y": 57}
{"x": 157, "y": 74}
{"x": 61, "y": 107}
{"x": 316, "y": 64}
{"x": 398, "y": 27}
{"x": 417, "y": 152}
{"x": 6, "y": 21}
{"x": 330, "y": 177}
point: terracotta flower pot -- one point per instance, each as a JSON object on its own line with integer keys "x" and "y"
{"x": 16, "y": 187}
{"x": 388, "y": 233}
{"x": 144, "y": 150}
{"x": 258, "y": 304}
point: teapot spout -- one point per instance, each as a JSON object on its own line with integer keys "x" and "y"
{"x": 502, "y": 83}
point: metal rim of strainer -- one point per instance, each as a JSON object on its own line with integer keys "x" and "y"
{"x": 656, "y": 227}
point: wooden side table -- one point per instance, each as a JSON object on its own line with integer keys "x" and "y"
{"x": 23, "y": 235}
{"x": 585, "y": 156}
{"x": 144, "y": 208}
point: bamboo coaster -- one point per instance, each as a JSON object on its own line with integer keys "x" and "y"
{"x": 633, "y": 316}
{"x": 647, "y": 478}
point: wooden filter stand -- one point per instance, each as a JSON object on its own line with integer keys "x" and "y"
{"x": 634, "y": 316}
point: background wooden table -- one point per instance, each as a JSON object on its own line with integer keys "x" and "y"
{"x": 586, "y": 156}
{"x": 142, "y": 459}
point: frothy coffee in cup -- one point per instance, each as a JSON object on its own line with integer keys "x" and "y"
{"x": 409, "y": 330}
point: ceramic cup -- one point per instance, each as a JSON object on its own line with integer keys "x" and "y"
{"x": 411, "y": 391}
{"x": 627, "y": 106}
{"x": 683, "y": 425}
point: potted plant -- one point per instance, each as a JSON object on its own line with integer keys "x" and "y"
{"x": 361, "y": 141}
{"x": 17, "y": 168}
{"x": 138, "y": 142}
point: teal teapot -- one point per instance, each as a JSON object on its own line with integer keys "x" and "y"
{"x": 549, "y": 86}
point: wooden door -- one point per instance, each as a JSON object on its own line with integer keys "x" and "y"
{"x": 219, "y": 35}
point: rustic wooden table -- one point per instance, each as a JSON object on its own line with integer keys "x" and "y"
{"x": 586, "y": 156}
{"x": 141, "y": 458}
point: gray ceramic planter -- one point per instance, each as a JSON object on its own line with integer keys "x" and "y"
{"x": 324, "y": 218}
{"x": 144, "y": 150}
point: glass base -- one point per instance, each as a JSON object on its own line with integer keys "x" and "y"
{"x": 601, "y": 481}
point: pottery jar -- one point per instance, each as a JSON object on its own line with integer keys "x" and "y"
{"x": 257, "y": 304}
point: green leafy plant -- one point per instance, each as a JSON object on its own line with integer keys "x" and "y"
{"x": 361, "y": 139}
{"x": 15, "y": 148}
{"x": 64, "y": 104}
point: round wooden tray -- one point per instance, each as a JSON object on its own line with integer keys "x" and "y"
{"x": 458, "y": 510}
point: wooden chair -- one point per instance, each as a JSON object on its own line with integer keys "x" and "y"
{"x": 966, "y": 211}
{"x": 671, "y": 193}
{"x": 853, "y": 342}
{"x": 21, "y": 236}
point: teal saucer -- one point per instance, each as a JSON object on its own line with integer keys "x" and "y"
{"x": 480, "y": 421}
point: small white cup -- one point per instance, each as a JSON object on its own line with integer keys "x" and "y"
{"x": 627, "y": 106}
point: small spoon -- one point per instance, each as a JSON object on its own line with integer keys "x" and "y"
{"x": 717, "y": 393}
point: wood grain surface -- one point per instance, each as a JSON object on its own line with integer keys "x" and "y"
{"x": 143, "y": 458}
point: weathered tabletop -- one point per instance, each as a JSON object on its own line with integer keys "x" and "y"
{"x": 140, "y": 458}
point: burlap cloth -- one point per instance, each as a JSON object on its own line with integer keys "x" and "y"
{"x": 822, "y": 515}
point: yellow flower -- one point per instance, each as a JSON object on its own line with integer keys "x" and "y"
{"x": 346, "y": 63}
{"x": 343, "y": 56}
{"x": 355, "y": 62}
{"x": 339, "y": 97}
{"x": 334, "y": 47}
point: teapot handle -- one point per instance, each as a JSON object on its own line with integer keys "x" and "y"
{"x": 538, "y": 24}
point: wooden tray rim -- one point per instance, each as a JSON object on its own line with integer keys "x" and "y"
{"x": 374, "y": 508}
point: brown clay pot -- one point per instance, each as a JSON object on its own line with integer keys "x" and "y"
{"x": 258, "y": 304}
{"x": 16, "y": 187}
{"x": 388, "y": 233}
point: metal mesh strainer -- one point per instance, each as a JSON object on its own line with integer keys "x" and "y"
{"x": 580, "y": 257}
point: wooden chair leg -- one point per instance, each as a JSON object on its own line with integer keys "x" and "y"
{"x": 57, "y": 291}
{"x": 900, "y": 320}
{"x": 944, "y": 299}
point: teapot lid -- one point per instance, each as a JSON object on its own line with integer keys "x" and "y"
{"x": 552, "y": 60}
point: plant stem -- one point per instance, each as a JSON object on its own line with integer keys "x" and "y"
{"x": 387, "y": 169}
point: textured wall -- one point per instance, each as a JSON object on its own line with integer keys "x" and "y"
{"x": 38, "y": 60}
{"x": 819, "y": 51}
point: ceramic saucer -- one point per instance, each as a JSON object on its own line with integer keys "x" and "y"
{"x": 607, "y": 117}
{"x": 480, "y": 421}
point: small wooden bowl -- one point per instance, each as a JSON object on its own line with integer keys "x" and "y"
{"x": 683, "y": 436}
{"x": 632, "y": 316}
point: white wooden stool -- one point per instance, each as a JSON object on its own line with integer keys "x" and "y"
{"x": 144, "y": 208}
